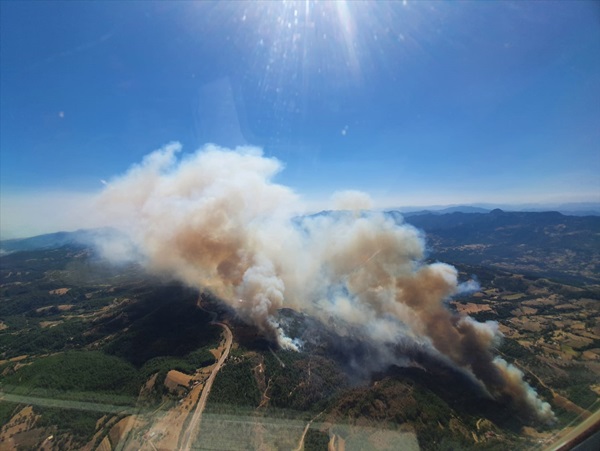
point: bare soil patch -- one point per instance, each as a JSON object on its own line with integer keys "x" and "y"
{"x": 176, "y": 378}
{"x": 550, "y": 300}
{"x": 120, "y": 430}
{"x": 14, "y": 433}
{"x": 104, "y": 445}
{"x": 471, "y": 308}
{"x": 524, "y": 323}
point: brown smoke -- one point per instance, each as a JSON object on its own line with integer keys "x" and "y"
{"x": 216, "y": 221}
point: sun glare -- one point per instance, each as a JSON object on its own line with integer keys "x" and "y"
{"x": 295, "y": 41}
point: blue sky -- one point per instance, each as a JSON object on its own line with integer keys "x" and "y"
{"x": 415, "y": 103}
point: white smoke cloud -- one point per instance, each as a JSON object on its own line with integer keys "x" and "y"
{"x": 351, "y": 200}
{"x": 216, "y": 221}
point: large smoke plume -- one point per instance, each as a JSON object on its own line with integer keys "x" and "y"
{"x": 216, "y": 221}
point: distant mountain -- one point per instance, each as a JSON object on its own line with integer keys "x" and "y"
{"x": 455, "y": 209}
{"x": 463, "y": 209}
{"x": 569, "y": 208}
{"x": 489, "y": 224}
{"x": 54, "y": 240}
{"x": 572, "y": 209}
{"x": 548, "y": 243}
{"x": 408, "y": 214}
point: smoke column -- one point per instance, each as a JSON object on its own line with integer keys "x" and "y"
{"x": 216, "y": 221}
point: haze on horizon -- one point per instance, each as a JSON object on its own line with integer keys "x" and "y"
{"x": 414, "y": 103}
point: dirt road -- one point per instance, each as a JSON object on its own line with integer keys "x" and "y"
{"x": 191, "y": 431}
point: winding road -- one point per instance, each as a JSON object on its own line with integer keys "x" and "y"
{"x": 192, "y": 429}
